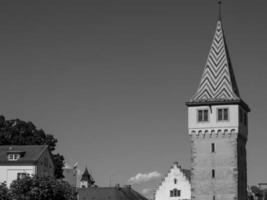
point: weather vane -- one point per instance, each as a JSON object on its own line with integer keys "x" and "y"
{"x": 220, "y": 8}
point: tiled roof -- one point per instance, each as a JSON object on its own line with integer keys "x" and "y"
{"x": 31, "y": 153}
{"x": 218, "y": 82}
{"x": 109, "y": 193}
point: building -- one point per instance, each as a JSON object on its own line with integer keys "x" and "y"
{"x": 89, "y": 191}
{"x": 175, "y": 185}
{"x": 70, "y": 176}
{"x": 87, "y": 180}
{"x": 109, "y": 193}
{"x": 218, "y": 127}
{"x": 19, "y": 160}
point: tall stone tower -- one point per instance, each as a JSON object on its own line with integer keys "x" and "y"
{"x": 218, "y": 127}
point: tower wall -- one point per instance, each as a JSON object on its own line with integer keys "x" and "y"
{"x": 228, "y": 159}
{"x": 224, "y": 161}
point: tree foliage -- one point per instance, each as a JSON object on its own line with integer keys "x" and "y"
{"x": 4, "y": 192}
{"x": 18, "y": 132}
{"x": 41, "y": 188}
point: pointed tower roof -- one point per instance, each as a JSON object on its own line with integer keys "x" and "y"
{"x": 218, "y": 83}
{"x": 87, "y": 177}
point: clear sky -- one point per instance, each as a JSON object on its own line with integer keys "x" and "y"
{"x": 109, "y": 78}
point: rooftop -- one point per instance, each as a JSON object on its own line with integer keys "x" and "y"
{"x": 31, "y": 153}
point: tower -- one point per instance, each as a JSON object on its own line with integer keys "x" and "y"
{"x": 87, "y": 180}
{"x": 218, "y": 128}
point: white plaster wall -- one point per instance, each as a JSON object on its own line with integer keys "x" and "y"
{"x": 213, "y": 122}
{"x": 9, "y": 173}
{"x": 183, "y": 184}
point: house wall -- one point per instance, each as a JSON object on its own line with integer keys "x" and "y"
{"x": 45, "y": 166}
{"x": 9, "y": 173}
{"x": 70, "y": 175}
{"x": 183, "y": 184}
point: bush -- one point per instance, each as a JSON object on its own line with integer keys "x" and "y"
{"x": 41, "y": 188}
{"x": 4, "y": 192}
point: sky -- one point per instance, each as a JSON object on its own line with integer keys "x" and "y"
{"x": 109, "y": 79}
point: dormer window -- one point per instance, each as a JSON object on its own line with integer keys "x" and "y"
{"x": 13, "y": 156}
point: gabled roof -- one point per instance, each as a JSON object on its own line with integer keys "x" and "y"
{"x": 110, "y": 193}
{"x": 87, "y": 177}
{"x": 175, "y": 166}
{"x": 31, "y": 153}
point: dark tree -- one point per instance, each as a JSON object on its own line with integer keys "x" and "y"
{"x": 18, "y": 132}
{"x": 41, "y": 188}
{"x": 4, "y": 193}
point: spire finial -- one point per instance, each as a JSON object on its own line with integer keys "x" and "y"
{"x": 220, "y": 10}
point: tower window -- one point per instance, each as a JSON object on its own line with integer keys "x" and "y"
{"x": 213, "y": 198}
{"x": 223, "y": 114}
{"x": 175, "y": 181}
{"x": 213, "y": 173}
{"x": 212, "y": 147}
{"x": 202, "y": 115}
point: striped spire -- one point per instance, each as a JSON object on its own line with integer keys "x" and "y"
{"x": 218, "y": 81}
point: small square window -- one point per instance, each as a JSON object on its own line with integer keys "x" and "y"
{"x": 223, "y": 114}
{"x": 202, "y": 115}
{"x": 21, "y": 175}
{"x": 175, "y": 193}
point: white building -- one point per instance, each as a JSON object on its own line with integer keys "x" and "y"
{"x": 175, "y": 185}
{"x": 19, "y": 160}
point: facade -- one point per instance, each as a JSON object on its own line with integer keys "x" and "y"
{"x": 109, "y": 193}
{"x": 218, "y": 127}
{"x": 21, "y": 160}
{"x": 70, "y": 175}
{"x": 175, "y": 185}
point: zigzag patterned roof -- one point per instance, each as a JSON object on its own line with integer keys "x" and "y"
{"x": 218, "y": 81}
